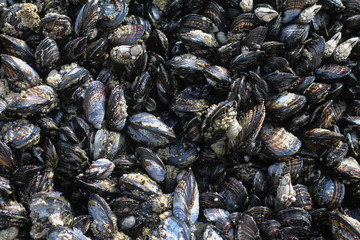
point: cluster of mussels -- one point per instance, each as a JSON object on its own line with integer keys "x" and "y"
{"x": 179, "y": 119}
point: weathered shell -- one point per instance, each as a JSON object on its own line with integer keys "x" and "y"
{"x": 49, "y": 209}
{"x": 19, "y": 72}
{"x": 126, "y": 54}
{"x": 172, "y": 228}
{"x": 104, "y": 224}
{"x": 139, "y": 186}
{"x": 112, "y": 13}
{"x": 40, "y": 99}
{"x": 19, "y": 18}
{"x": 56, "y": 26}
{"x": 20, "y": 134}
{"x": 127, "y": 34}
{"x": 94, "y": 103}
{"x": 13, "y": 214}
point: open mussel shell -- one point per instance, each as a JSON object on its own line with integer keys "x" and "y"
{"x": 145, "y": 128}
{"x": 279, "y": 143}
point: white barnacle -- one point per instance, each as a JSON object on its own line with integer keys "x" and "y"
{"x": 266, "y": 14}
{"x": 331, "y": 44}
{"x": 343, "y": 50}
{"x": 285, "y": 194}
{"x": 246, "y": 5}
{"x": 308, "y": 14}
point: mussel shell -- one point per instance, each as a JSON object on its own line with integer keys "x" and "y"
{"x": 40, "y": 99}
{"x": 112, "y": 13}
{"x": 216, "y": 13}
{"x": 85, "y": 24}
{"x": 17, "y": 47}
{"x": 152, "y": 164}
{"x": 186, "y": 199}
{"x": 327, "y": 192}
{"x": 56, "y": 26}
{"x": 127, "y": 34}
{"x": 94, "y": 103}
{"x": 116, "y": 110}
{"x": 285, "y": 104}
{"x": 331, "y": 72}
{"x": 106, "y": 144}
{"x": 47, "y": 54}
{"x": 235, "y": 195}
{"x": 294, "y": 34}
{"x": 196, "y": 21}
{"x": 103, "y": 216}
{"x": 72, "y": 159}
{"x": 246, "y": 61}
{"x": 6, "y": 156}
{"x": 173, "y": 228}
{"x": 145, "y": 128}
{"x": 20, "y": 134}
{"x": 344, "y": 226}
{"x": 74, "y": 49}
{"x": 303, "y": 198}
{"x": 19, "y": 72}
{"x": 279, "y": 143}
